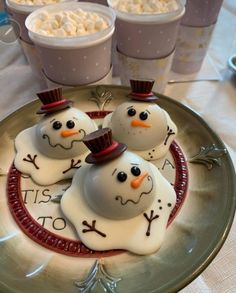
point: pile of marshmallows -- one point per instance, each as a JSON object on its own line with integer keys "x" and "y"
{"x": 69, "y": 23}
{"x": 146, "y": 6}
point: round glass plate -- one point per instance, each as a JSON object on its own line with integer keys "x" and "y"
{"x": 192, "y": 240}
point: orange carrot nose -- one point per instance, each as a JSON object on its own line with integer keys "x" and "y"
{"x": 135, "y": 183}
{"x": 66, "y": 133}
{"x": 140, "y": 123}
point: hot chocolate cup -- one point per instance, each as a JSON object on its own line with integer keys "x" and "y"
{"x": 195, "y": 34}
{"x": 32, "y": 57}
{"x": 201, "y": 13}
{"x": 191, "y": 48}
{"x": 75, "y": 60}
{"x": 147, "y": 36}
{"x": 19, "y": 13}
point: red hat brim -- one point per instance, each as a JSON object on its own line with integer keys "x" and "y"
{"x": 150, "y": 98}
{"x": 64, "y": 105}
{"x": 91, "y": 159}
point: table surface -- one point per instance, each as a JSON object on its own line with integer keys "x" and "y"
{"x": 214, "y": 101}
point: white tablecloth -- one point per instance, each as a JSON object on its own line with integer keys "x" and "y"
{"x": 215, "y": 101}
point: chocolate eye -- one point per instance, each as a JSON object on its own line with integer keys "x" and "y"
{"x": 57, "y": 125}
{"x": 70, "y": 124}
{"x": 121, "y": 176}
{"x": 143, "y": 115}
{"x": 131, "y": 112}
{"x": 135, "y": 171}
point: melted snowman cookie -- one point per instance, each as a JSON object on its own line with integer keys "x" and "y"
{"x": 141, "y": 124}
{"x": 53, "y": 149}
{"x": 119, "y": 202}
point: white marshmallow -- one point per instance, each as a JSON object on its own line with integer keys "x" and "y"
{"x": 68, "y": 23}
{"x": 43, "y": 16}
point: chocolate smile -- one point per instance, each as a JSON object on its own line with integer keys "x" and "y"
{"x": 124, "y": 202}
{"x": 60, "y": 145}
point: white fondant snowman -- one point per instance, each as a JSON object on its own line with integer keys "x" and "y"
{"x": 52, "y": 150}
{"x": 119, "y": 200}
{"x": 141, "y": 124}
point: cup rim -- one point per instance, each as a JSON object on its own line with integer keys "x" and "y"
{"x": 158, "y": 18}
{"x": 232, "y": 63}
{"x": 73, "y": 42}
{"x": 27, "y": 9}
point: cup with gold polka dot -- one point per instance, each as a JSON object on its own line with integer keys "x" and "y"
{"x": 194, "y": 35}
{"x": 146, "y": 33}
{"x": 18, "y": 11}
{"x": 73, "y": 40}
{"x": 146, "y": 36}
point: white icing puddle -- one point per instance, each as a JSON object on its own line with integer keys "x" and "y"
{"x": 38, "y": 199}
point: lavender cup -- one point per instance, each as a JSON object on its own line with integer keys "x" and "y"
{"x": 19, "y": 13}
{"x": 201, "y": 12}
{"x": 32, "y": 57}
{"x": 194, "y": 35}
{"x": 191, "y": 48}
{"x": 75, "y": 60}
{"x": 147, "y": 36}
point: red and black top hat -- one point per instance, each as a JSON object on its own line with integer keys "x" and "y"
{"x": 102, "y": 147}
{"x": 142, "y": 90}
{"x": 52, "y": 101}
